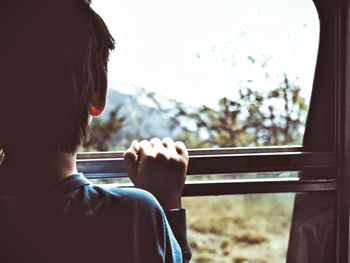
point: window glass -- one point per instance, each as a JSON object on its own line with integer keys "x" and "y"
{"x": 239, "y": 228}
{"x": 211, "y": 73}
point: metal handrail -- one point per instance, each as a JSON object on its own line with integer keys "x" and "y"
{"x": 206, "y": 151}
{"x": 316, "y": 169}
{"x": 110, "y": 164}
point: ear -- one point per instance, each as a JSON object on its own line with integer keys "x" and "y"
{"x": 98, "y": 103}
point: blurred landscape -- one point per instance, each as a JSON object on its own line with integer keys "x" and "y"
{"x": 239, "y": 228}
{"x": 250, "y": 118}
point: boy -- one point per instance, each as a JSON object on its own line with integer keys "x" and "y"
{"x": 53, "y": 79}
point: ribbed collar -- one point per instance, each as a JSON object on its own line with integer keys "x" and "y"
{"x": 58, "y": 188}
{"x": 67, "y": 184}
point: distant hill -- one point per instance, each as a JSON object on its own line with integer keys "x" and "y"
{"x": 142, "y": 118}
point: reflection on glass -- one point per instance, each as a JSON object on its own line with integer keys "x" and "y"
{"x": 246, "y": 177}
{"x": 210, "y": 73}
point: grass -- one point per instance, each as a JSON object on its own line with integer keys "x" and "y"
{"x": 239, "y": 228}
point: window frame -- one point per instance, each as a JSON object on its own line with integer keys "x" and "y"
{"x": 308, "y": 164}
{"x": 343, "y": 133}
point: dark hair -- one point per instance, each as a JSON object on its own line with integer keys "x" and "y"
{"x": 53, "y": 55}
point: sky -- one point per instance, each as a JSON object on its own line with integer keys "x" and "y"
{"x": 198, "y": 51}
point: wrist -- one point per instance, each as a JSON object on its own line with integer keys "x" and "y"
{"x": 169, "y": 204}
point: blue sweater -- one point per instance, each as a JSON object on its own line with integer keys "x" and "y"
{"x": 76, "y": 221}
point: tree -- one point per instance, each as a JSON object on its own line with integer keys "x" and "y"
{"x": 255, "y": 119}
{"x": 102, "y": 133}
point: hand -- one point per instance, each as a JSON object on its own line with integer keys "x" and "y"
{"x": 159, "y": 167}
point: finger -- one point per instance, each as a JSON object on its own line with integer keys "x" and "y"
{"x": 181, "y": 149}
{"x": 136, "y": 146}
{"x": 156, "y": 143}
{"x": 170, "y": 145}
{"x": 131, "y": 160}
{"x": 146, "y": 149}
{"x": 161, "y": 153}
{"x": 130, "y": 165}
{"x": 133, "y": 151}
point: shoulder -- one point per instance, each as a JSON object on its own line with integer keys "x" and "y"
{"x": 108, "y": 198}
{"x": 131, "y": 217}
{"x": 138, "y": 198}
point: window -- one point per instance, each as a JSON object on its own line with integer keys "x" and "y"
{"x": 170, "y": 56}
{"x": 317, "y": 169}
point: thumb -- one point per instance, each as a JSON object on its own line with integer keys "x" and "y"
{"x": 131, "y": 160}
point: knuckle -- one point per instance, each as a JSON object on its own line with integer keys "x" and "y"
{"x": 181, "y": 145}
{"x": 181, "y": 149}
{"x": 161, "y": 156}
{"x": 148, "y": 157}
{"x": 127, "y": 155}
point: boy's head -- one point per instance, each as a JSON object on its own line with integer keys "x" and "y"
{"x": 53, "y": 61}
